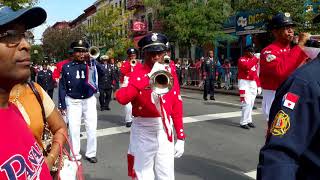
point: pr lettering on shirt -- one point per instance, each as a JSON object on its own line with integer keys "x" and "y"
{"x": 30, "y": 167}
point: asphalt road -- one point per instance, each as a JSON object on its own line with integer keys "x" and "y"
{"x": 216, "y": 147}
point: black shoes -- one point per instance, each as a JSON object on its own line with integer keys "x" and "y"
{"x": 245, "y": 126}
{"x": 128, "y": 124}
{"x": 212, "y": 98}
{"x": 251, "y": 125}
{"x": 107, "y": 108}
{"x": 206, "y": 99}
{"x": 92, "y": 159}
{"x": 248, "y": 126}
{"x": 102, "y": 109}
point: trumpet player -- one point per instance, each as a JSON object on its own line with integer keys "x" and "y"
{"x": 279, "y": 60}
{"x": 77, "y": 98}
{"x": 152, "y": 150}
{"x": 127, "y": 67}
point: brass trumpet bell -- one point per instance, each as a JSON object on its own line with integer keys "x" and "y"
{"x": 161, "y": 82}
{"x": 133, "y": 62}
{"x": 94, "y": 52}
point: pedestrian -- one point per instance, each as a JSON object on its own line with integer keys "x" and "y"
{"x": 292, "y": 150}
{"x": 152, "y": 150}
{"x": 179, "y": 70}
{"x": 208, "y": 69}
{"x": 117, "y": 74}
{"x": 20, "y": 155}
{"x": 78, "y": 101}
{"x": 227, "y": 74}
{"x": 129, "y": 65}
{"x": 249, "y": 86}
{"x": 105, "y": 84}
{"x": 279, "y": 60}
{"x": 45, "y": 80}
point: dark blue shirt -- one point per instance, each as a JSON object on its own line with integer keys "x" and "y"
{"x": 74, "y": 83}
{"x": 292, "y": 148}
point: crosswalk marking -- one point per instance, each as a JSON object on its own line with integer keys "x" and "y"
{"x": 190, "y": 119}
{"x": 252, "y": 174}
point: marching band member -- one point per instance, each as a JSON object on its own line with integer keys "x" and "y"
{"x": 152, "y": 150}
{"x": 127, "y": 67}
{"x": 249, "y": 85}
{"x": 279, "y": 60}
{"x": 76, "y": 93}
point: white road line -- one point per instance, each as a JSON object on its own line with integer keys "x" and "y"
{"x": 191, "y": 119}
{"x": 252, "y": 174}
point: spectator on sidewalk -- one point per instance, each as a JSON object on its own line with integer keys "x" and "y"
{"x": 179, "y": 70}
{"x": 227, "y": 73}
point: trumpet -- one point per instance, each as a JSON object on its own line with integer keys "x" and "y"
{"x": 133, "y": 62}
{"x": 94, "y": 52}
{"x": 161, "y": 82}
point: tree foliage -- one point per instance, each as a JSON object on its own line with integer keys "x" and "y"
{"x": 297, "y": 9}
{"x": 37, "y": 54}
{"x": 56, "y": 42}
{"x": 18, "y": 4}
{"x": 190, "y": 21}
{"x": 107, "y": 29}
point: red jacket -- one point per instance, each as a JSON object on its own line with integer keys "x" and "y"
{"x": 142, "y": 105}
{"x": 126, "y": 69}
{"x": 247, "y": 69}
{"x": 277, "y": 63}
{"x": 57, "y": 71}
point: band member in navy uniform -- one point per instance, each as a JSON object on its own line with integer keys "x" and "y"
{"x": 45, "y": 80}
{"x": 76, "y": 93}
{"x": 105, "y": 83}
{"x": 208, "y": 68}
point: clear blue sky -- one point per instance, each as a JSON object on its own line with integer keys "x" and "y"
{"x": 60, "y": 10}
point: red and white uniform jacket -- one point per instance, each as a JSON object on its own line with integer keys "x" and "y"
{"x": 143, "y": 104}
{"x": 126, "y": 69}
{"x": 277, "y": 63}
{"x": 57, "y": 72}
{"x": 247, "y": 69}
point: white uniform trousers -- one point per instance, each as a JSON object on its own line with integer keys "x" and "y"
{"x": 250, "y": 92}
{"x": 268, "y": 97}
{"x": 153, "y": 152}
{"x": 128, "y": 112}
{"x": 76, "y": 109}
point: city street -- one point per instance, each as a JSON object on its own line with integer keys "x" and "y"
{"x": 216, "y": 148}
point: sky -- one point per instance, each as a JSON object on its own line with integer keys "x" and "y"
{"x": 60, "y": 10}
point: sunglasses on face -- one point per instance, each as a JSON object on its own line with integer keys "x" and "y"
{"x": 14, "y": 36}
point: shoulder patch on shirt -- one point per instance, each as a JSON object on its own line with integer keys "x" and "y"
{"x": 270, "y": 57}
{"x": 290, "y": 100}
{"x": 280, "y": 124}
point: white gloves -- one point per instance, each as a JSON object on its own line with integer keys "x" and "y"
{"x": 311, "y": 52}
{"x": 157, "y": 67}
{"x": 125, "y": 81}
{"x": 259, "y": 90}
{"x": 178, "y": 148}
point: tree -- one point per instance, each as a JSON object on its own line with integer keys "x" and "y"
{"x": 37, "y": 54}
{"x": 56, "y": 42}
{"x": 107, "y": 27}
{"x": 18, "y": 4}
{"x": 192, "y": 22}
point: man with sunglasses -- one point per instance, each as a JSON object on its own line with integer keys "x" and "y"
{"x": 20, "y": 155}
{"x": 279, "y": 60}
{"x": 152, "y": 150}
{"x": 77, "y": 99}
{"x": 249, "y": 85}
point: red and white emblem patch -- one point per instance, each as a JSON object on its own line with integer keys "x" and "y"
{"x": 290, "y": 100}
